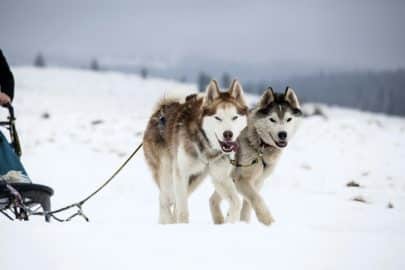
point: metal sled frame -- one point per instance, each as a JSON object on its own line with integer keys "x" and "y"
{"x": 20, "y": 200}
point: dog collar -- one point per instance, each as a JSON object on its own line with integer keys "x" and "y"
{"x": 254, "y": 161}
{"x": 236, "y": 164}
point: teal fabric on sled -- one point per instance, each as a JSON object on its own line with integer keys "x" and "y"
{"x": 9, "y": 161}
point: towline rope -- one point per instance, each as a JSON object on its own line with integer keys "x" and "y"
{"x": 79, "y": 205}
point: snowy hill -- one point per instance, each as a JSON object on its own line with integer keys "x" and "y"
{"x": 77, "y": 126}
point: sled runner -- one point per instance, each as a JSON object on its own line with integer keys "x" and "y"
{"x": 20, "y": 200}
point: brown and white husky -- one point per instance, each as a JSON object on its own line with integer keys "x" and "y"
{"x": 187, "y": 140}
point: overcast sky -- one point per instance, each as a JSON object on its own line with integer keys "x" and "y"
{"x": 348, "y": 34}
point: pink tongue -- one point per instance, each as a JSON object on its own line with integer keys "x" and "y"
{"x": 234, "y": 146}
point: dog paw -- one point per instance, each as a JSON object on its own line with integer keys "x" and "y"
{"x": 266, "y": 219}
{"x": 233, "y": 218}
{"x": 218, "y": 219}
{"x": 245, "y": 219}
{"x": 182, "y": 218}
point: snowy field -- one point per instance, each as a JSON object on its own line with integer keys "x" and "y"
{"x": 77, "y": 127}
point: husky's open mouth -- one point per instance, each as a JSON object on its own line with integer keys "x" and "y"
{"x": 228, "y": 146}
{"x": 281, "y": 144}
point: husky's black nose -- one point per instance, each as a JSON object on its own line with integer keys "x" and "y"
{"x": 282, "y": 135}
{"x": 228, "y": 135}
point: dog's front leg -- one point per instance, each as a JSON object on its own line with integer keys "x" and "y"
{"x": 215, "y": 207}
{"x": 165, "y": 213}
{"x": 180, "y": 182}
{"x": 246, "y": 211}
{"x": 246, "y": 207}
{"x": 256, "y": 201}
{"x": 227, "y": 190}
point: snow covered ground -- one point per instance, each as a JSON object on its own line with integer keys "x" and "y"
{"x": 77, "y": 127}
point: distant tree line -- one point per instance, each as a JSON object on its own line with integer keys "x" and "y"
{"x": 366, "y": 90}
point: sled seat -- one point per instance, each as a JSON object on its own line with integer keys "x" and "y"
{"x": 32, "y": 196}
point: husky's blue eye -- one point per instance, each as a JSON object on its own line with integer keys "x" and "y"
{"x": 219, "y": 119}
{"x": 289, "y": 119}
{"x": 234, "y": 118}
{"x": 273, "y": 120}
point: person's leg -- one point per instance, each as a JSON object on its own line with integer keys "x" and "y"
{"x": 9, "y": 161}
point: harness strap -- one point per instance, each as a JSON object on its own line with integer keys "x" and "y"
{"x": 254, "y": 161}
{"x": 236, "y": 164}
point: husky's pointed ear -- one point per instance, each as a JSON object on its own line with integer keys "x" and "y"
{"x": 236, "y": 91}
{"x": 267, "y": 98}
{"x": 291, "y": 97}
{"x": 212, "y": 91}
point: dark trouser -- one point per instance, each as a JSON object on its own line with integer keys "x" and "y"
{"x": 9, "y": 161}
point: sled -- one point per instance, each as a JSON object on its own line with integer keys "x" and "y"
{"x": 21, "y": 200}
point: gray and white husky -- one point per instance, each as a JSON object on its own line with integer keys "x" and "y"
{"x": 187, "y": 140}
{"x": 271, "y": 125}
